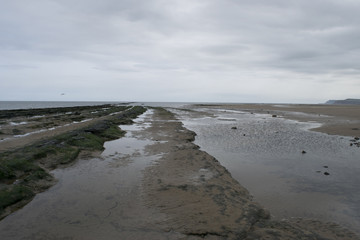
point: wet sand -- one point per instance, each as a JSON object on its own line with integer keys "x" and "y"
{"x": 264, "y": 154}
{"x": 343, "y": 120}
{"x": 177, "y": 192}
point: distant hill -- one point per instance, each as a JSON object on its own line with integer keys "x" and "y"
{"x": 350, "y": 101}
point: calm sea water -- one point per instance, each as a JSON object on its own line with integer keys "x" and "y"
{"x": 6, "y": 105}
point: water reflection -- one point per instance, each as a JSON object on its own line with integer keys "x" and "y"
{"x": 265, "y": 154}
{"x": 94, "y": 199}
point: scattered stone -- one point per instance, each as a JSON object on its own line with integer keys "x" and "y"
{"x": 326, "y": 173}
{"x": 325, "y": 166}
{"x": 351, "y": 144}
{"x": 303, "y": 152}
{"x": 274, "y": 115}
{"x": 234, "y": 128}
{"x": 244, "y": 134}
{"x": 356, "y": 138}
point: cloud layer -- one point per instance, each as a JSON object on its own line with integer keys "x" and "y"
{"x": 199, "y": 50}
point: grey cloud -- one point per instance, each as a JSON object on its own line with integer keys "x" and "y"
{"x": 212, "y": 40}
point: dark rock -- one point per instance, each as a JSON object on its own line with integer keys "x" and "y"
{"x": 274, "y": 115}
{"x": 351, "y": 144}
{"x": 356, "y": 138}
{"x": 303, "y": 152}
{"x": 326, "y": 173}
{"x": 234, "y": 128}
{"x": 325, "y": 166}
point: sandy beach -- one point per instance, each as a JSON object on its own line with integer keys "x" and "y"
{"x": 343, "y": 120}
{"x": 183, "y": 193}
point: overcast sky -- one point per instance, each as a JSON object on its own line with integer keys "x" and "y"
{"x": 283, "y": 51}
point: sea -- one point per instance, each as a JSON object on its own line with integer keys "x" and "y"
{"x": 11, "y": 105}
{"x": 265, "y": 155}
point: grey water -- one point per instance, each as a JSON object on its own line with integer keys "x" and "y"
{"x": 264, "y": 154}
{"x": 98, "y": 198}
{"x": 8, "y": 105}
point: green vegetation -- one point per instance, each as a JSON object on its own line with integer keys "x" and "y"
{"x": 113, "y": 132}
{"x": 13, "y": 195}
{"x": 26, "y": 165}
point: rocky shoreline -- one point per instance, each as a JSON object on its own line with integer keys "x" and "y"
{"x": 198, "y": 196}
{"x": 25, "y": 163}
{"x": 203, "y": 200}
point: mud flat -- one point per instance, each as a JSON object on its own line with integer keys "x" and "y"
{"x": 36, "y": 141}
{"x": 183, "y": 193}
{"x": 341, "y": 120}
{"x": 202, "y": 200}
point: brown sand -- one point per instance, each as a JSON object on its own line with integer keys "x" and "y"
{"x": 341, "y": 120}
{"x": 202, "y": 200}
{"x": 199, "y": 196}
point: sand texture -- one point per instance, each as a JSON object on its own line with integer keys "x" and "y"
{"x": 203, "y": 200}
{"x": 199, "y": 197}
{"x": 341, "y": 120}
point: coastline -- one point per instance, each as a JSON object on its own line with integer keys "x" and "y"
{"x": 200, "y": 197}
{"x": 343, "y": 120}
{"x": 26, "y": 162}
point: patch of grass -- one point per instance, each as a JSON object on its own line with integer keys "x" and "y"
{"x": 39, "y": 155}
{"x": 37, "y": 175}
{"x": 87, "y": 141}
{"x": 68, "y": 155}
{"x": 13, "y": 195}
{"x": 113, "y": 132}
{"x": 20, "y": 164}
{"x": 6, "y": 172}
{"x": 15, "y": 166}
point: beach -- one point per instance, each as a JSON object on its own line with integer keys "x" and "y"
{"x": 154, "y": 182}
{"x": 343, "y": 120}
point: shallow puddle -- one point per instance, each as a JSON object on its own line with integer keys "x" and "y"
{"x": 94, "y": 198}
{"x": 265, "y": 155}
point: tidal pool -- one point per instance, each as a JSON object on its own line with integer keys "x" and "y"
{"x": 97, "y": 198}
{"x": 265, "y": 154}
